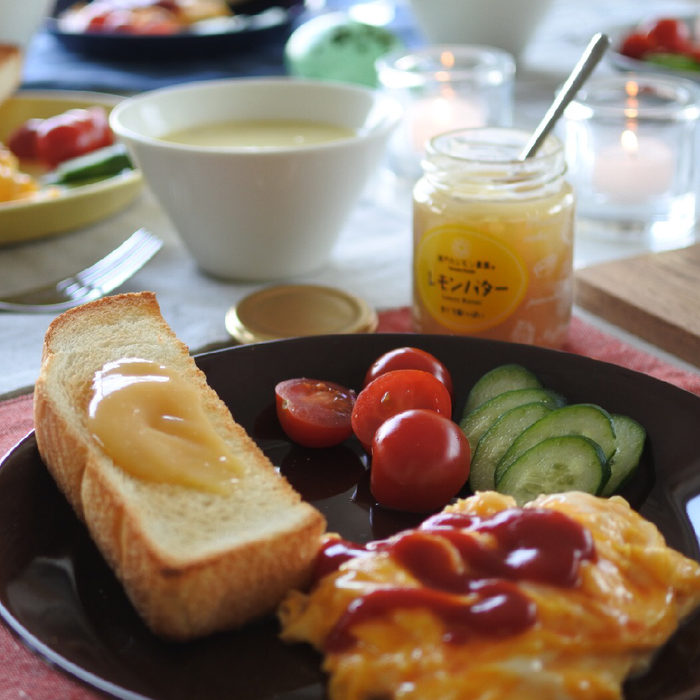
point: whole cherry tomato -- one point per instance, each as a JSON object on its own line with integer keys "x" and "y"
{"x": 409, "y": 358}
{"x": 395, "y": 392}
{"x": 420, "y": 461}
{"x": 72, "y": 134}
{"x": 314, "y": 413}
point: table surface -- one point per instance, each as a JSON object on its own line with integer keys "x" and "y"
{"x": 373, "y": 255}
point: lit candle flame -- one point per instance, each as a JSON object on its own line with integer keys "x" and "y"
{"x": 632, "y": 107}
{"x": 447, "y": 61}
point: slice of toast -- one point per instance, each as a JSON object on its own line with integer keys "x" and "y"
{"x": 10, "y": 70}
{"x": 192, "y": 562}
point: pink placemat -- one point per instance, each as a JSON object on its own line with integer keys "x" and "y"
{"x": 24, "y": 676}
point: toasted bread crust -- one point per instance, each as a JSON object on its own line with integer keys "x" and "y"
{"x": 221, "y": 561}
{"x": 11, "y": 58}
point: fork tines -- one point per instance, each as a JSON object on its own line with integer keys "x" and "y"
{"x": 91, "y": 283}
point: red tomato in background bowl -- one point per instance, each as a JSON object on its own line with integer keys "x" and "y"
{"x": 420, "y": 461}
{"x": 314, "y": 413}
{"x": 409, "y": 358}
{"x": 395, "y": 392}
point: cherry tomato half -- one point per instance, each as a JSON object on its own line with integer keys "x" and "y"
{"x": 420, "y": 461}
{"x": 314, "y": 413}
{"x": 409, "y": 358}
{"x": 395, "y": 392}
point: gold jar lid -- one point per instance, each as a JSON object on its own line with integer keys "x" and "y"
{"x": 290, "y": 311}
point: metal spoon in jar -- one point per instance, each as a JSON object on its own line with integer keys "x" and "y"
{"x": 588, "y": 61}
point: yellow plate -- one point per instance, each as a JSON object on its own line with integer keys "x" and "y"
{"x": 38, "y": 217}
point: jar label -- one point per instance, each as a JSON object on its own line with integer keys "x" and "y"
{"x": 467, "y": 280}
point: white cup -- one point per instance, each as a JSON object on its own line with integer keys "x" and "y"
{"x": 20, "y": 19}
{"x": 504, "y": 24}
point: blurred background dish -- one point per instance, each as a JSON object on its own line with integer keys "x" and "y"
{"x": 71, "y": 208}
{"x": 253, "y": 23}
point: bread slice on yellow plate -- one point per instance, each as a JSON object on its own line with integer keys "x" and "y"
{"x": 194, "y": 556}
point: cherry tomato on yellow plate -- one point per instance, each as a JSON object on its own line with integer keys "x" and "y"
{"x": 409, "y": 358}
{"x": 395, "y": 392}
{"x": 420, "y": 461}
{"x": 71, "y": 134}
{"x": 314, "y": 413}
{"x": 22, "y": 141}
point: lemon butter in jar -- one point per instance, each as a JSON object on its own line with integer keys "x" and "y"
{"x": 493, "y": 238}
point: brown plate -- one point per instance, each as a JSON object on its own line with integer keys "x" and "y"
{"x": 59, "y": 596}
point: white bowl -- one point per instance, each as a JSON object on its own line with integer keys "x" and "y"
{"x": 257, "y": 214}
{"x": 504, "y": 24}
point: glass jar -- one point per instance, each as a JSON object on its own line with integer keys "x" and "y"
{"x": 493, "y": 238}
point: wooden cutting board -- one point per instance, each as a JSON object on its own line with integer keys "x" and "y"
{"x": 655, "y": 296}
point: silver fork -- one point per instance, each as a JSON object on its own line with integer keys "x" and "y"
{"x": 92, "y": 282}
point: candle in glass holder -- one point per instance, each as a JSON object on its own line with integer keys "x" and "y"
{"x": 431, "y": 116}
{"x": 631, "y": 148}
{"x": 444, "y": 88}
{"x": 633, "y": 169}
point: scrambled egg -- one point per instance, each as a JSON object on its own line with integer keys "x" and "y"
{"x": 585, "y": 640}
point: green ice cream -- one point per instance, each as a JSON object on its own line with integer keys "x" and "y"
{"x": 335, "y": 47}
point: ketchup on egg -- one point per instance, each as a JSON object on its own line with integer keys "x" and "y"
{"x": 476, "y": 593}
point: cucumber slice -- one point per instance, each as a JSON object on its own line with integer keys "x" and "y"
{"x": 497, "y": 381}
{"x": 583, "y": 419}
{"x": 98, "y": 165}
{"x": 630, "y": 444}
{"x": 497, "y": 439}
{"x": 482, "y": 418}
{"x": 556, "y": 465}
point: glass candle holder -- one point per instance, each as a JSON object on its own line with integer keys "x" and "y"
{"x": 631, "y": 146}
{"x": 443, "y": 88}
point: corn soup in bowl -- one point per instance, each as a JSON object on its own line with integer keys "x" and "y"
{"x": 258, "y": 176}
